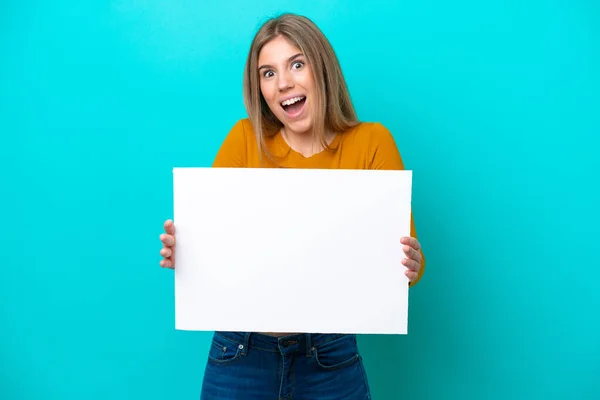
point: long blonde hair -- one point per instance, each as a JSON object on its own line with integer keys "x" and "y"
{"x": 334, "y": 111}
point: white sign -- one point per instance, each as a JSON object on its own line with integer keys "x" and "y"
{"x": 291, "y": 250}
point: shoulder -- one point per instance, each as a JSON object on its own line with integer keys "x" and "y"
{"x": 238, "y": 143}
{"x": 241, "y": 134}
{"x": 371, "y": 134}
{"x": 378, "y": 130}
{"x": 378, "y": 143}
{"x": 242, "y": 128}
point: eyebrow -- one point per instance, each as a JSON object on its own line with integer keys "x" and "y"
{"x": 292, "y": 58}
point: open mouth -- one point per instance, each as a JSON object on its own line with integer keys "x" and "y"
{"x": 294, "y": 105}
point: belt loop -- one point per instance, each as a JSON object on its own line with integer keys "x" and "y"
{"x": 308, "y": 345}
{"x": 246, "y": 343}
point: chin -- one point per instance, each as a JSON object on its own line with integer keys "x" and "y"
{"x": 301, "y": 127}
{"x": 298, "y": 126}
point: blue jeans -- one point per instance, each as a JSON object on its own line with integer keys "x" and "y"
{"x": 252, "y": 366}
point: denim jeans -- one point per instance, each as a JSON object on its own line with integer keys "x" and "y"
{"x": 252, "y": 366}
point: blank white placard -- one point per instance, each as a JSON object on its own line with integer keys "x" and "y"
{"x": 291, "y": 250}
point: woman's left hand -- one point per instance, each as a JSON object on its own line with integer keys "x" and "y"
{"x": 412, "y": 261}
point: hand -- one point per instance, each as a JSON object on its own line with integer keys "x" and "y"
{"x": 168, "y": 250}
{"x": 413, "y": 257}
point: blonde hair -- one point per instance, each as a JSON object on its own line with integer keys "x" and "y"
{"x": 334, "y": 111}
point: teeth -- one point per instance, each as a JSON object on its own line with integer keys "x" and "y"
{"x": 291, "y": 101}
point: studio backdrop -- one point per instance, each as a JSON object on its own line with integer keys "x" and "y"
{"x": 494, "y": 106}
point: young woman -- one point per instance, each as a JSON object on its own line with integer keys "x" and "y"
{"x": 299, "y": 116}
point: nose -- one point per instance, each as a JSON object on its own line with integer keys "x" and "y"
{"x": 285, "y": 81}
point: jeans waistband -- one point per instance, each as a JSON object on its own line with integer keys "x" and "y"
{"x": 300, "y": 341}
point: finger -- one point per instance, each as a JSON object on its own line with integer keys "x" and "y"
{"x": 166, "y": 264}
{"x": 169, "y": 227}
{"x": 412, "y": 276}
{"x": 411, "y": 241}
{"x": 166, "y": 252}
{"x": 411, "y": 264}
{"x": 168, "y": 240}
{"x": 412, "y": 253}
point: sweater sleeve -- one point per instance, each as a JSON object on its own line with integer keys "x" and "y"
{"x": 386, "y": 156}
{"x": 232, "y": 152}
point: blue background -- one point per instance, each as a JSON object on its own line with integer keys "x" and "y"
{"x": 495, "y": 106}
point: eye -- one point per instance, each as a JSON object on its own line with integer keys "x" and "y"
{"x": 298, "y": 64}
{"x": 268, "y": 74}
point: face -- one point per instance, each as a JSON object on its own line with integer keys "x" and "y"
{"x": 286, "y": 84}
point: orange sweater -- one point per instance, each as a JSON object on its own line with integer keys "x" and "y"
{"x": 366, "y": 146}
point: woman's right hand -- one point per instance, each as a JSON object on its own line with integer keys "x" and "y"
{"x": 168, "y": 250}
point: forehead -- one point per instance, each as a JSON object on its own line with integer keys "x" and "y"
{"x": 277, "y": 50}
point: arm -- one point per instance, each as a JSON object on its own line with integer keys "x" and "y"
{"x": 386, "y": 156}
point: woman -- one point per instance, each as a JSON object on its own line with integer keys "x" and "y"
{"x": 299, "y": 116}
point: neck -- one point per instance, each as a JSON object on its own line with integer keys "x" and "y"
{"x": 305, "y": 143}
